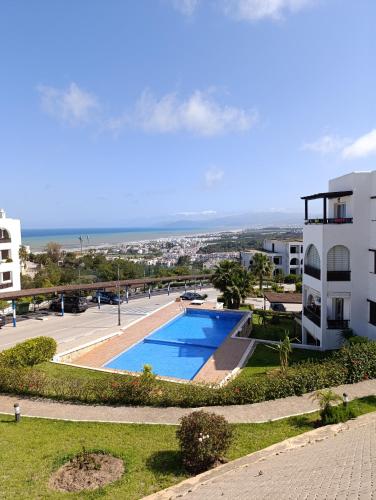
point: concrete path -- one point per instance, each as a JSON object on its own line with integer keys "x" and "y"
{"x": 255, "y": 413}
{"x": 74, "y": 330}
{"x": 333, "y": 462}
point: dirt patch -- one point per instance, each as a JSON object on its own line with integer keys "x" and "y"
{"x": 87, "y": 471}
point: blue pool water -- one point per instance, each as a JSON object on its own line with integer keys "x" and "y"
{"x": 181, "y": 347}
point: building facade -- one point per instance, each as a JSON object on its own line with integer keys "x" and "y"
{"x": 285, "y": 255}
{"x": 339, "y": 280}
{"x": 10, "y": 242}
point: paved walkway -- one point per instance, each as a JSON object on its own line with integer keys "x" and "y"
{"x": 255, "y": 413}
{"x": 334, "y": 462}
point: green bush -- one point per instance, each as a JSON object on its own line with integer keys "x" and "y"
{"x": 204, "y": 438}
{"x": 357, "y": 339}
{"x": 337, "y": 414}
{"x": 352, "y": 363}
{"x": 29, "y": 353}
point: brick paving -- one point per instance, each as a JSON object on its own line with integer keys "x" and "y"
{"x": 338, "y": 462}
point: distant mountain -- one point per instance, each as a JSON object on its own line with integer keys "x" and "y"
{"x": 240, "y": 221}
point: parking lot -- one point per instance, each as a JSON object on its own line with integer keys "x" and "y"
{"x": 73, "y": 330}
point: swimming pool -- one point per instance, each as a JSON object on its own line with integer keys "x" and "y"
{"x": 182, "y": 346}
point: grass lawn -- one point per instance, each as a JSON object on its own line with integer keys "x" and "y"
{"x": 32, "y": 449}
{"x": 274, "y": 331}
{"x": 264, "y": 359}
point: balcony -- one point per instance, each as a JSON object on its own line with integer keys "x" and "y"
{"x": 339, "y": 276}
{"x": 312, "y": 316}
{"x": 7, "y": 284}
{"x": 330, "y": 220}
{"x": 5, "y": 240}
{"x": 338, "y": 324}
{"x": 312, "y": 271}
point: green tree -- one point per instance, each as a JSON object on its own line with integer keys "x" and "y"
{"x": 233, "y": 281}
{"x": 53, "y": 251}
{"x": 261, "y": 268}
{"x": 23, "y": 255}
{"x": 284, "y": 350}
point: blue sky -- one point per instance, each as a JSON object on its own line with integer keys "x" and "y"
{"x": 125, "y": 112}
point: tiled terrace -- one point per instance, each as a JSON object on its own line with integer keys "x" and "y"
{"x": 225, "y": 359}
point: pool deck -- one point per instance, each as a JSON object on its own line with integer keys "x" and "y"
{"x": 219, "y": 366}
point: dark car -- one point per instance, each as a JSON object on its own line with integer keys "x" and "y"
{"x": 72, "y": 303}
{"x": 107, "y": 298}
{"x": 278, "y": 307}
{"x": 193, "y": 296}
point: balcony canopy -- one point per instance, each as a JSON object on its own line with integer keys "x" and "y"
{"x": 332, "y": 194}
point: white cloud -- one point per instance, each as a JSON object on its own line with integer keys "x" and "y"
{"x": 191, "y": 213}
{"x": 185, "y": 7}
{"x": 199, "y": 114}
{"x": 213, "y": 176}
{"x": 361, "y": 147}
{"x": 72, "y": 105}
{"x": 327, "y": 144}
{"x": 254, "y": 10}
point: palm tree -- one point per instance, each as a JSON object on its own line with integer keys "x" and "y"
{"x": 326, "y": 398}
{"x": 233, "y": 281}
{"x": 23, "y": 255}
{"x": 261, "y": 267}
{"x": 284, "y": 350}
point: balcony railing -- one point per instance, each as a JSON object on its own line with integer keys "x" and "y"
{"x": 312, "y": 271}
{"x": 339, "y": 275}
{"x": 7, "y": 284}
{"x": 313, "y": 316}
{"x": 330, "y": 220}
{"x": 338, "y": 324}
{"x": 5, "y": 240}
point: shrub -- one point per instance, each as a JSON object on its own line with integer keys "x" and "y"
{"x": 336, "y": 414}
{"x": 357, "y": 339}
{"x": 29, "y": 353}
{"x": 359, "y": 361}
{"x": 204, "y": 438}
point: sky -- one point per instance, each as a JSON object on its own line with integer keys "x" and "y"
{"x": 126, "y": 112}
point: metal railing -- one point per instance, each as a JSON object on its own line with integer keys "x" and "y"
{"x": 312, "y": 271}
{"x": 330, "y": 220}
{"x": 339, "y": 275}
{"x": 5, "y": 240}
{"x": 312, "y": 316}
{"x": 338, "y": 324}
{"x": 6, "y": 284}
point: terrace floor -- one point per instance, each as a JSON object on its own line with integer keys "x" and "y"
{"x": 224, "y": 360}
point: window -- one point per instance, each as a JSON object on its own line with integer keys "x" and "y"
{"x": 373, "y": 261}
{"x": 339, "y": 258}
{"x": 339, "y": 210}
{"x": 372, "y": 312}
{"x": 6, "y": 276}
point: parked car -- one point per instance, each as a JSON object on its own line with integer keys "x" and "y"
{"x": 278, "y": 307}
{"x": 107, "y": 298}
{"x": 72, "y": 303}
{"x": 193, "y": 296}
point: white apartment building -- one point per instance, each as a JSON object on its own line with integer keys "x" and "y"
{"x": 339, "y": 280}
{"x": 10, "y": 242}
{"x": 285, "y": 255}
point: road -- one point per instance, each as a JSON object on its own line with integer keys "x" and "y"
{"x": 74, "y": 330}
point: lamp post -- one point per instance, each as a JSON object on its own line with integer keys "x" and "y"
{"x": 118, "y": 292}
{"x": 17, "y": 412}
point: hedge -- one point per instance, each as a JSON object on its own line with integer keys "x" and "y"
{"x": 29, "y": 353}
{"x": 350, "y": 364}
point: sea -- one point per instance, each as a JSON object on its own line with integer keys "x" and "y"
{"x": 71, "y": 238}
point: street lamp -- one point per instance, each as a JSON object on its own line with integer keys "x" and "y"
{"x": 118, "y": 291}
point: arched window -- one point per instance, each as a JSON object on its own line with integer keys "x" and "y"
{"x": 294, "y": 262}
{"x": 4, "y": 236}
{"x": 312, "y": 262}
{"x": 339, "y": 263}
